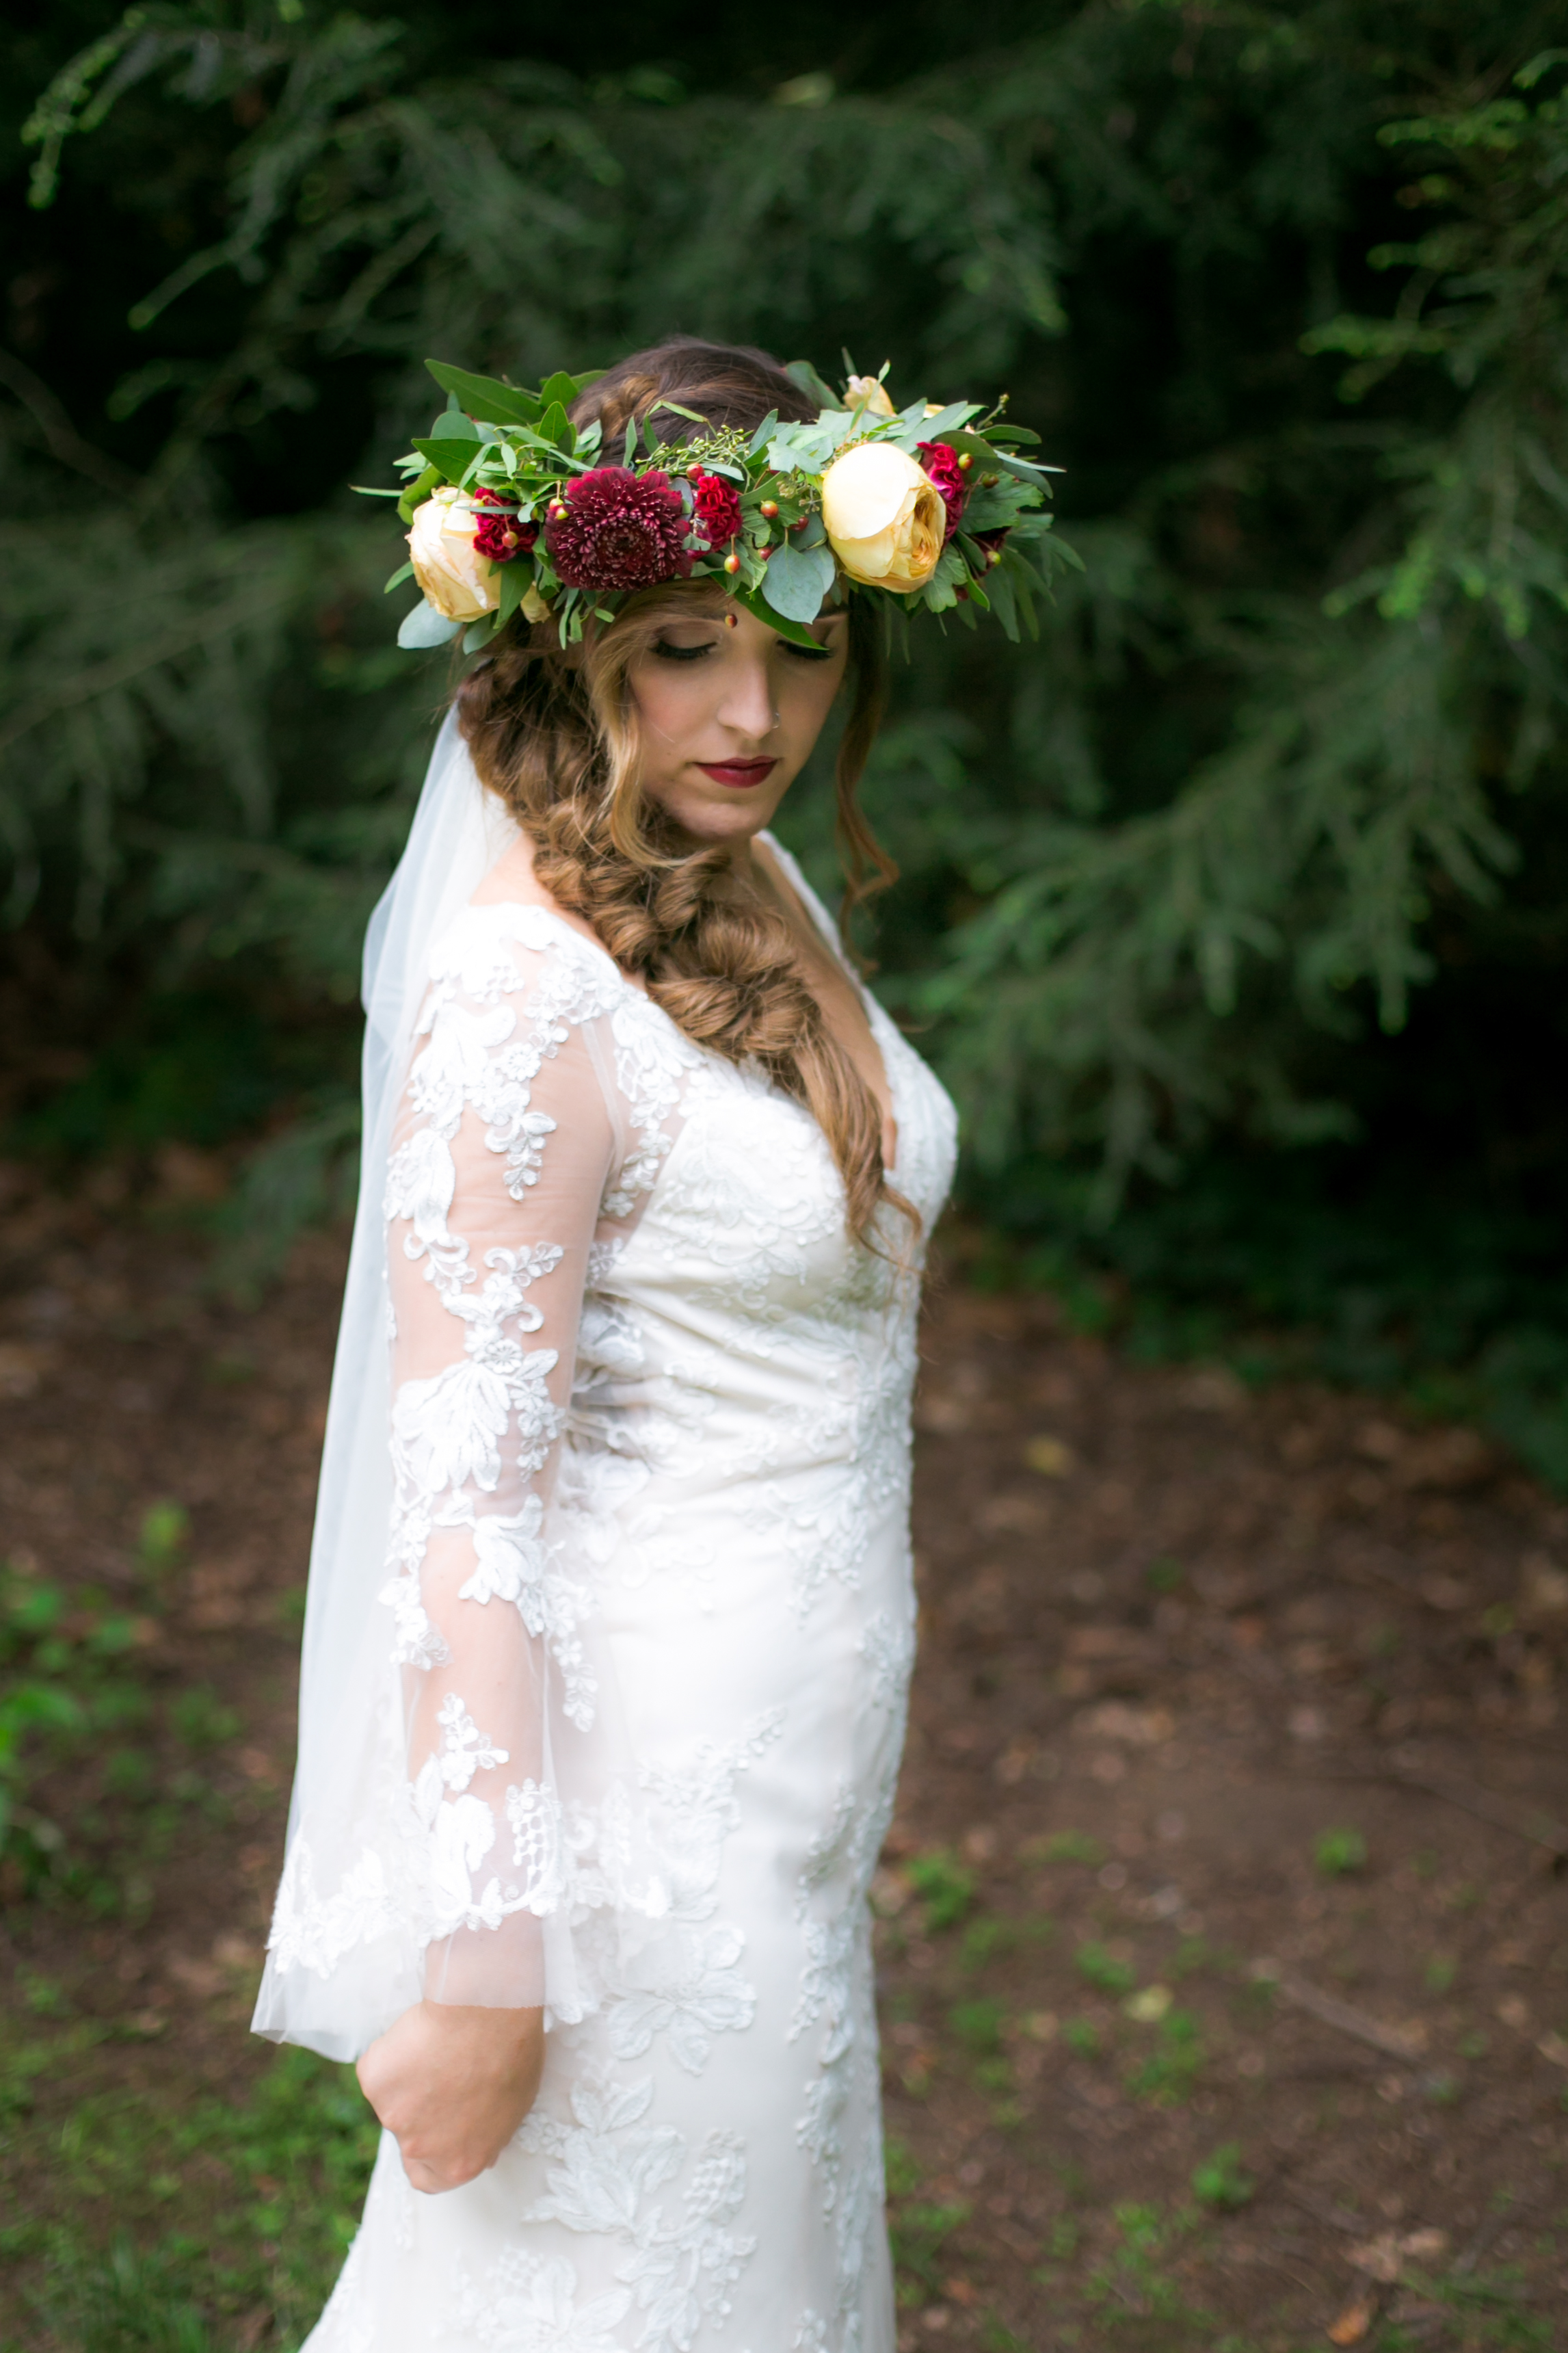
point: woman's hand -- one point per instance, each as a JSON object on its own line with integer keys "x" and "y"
{"x": 453, "y": 2083}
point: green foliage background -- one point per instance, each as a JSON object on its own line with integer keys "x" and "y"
{"x": 1235, "y": 911}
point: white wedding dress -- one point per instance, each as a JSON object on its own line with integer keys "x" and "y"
{"x": 654, "y": 1626}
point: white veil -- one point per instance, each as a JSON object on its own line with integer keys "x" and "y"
{"x": 359, "y": 1980}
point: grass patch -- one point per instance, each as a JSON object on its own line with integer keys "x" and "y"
{"x": 1167, "y": 2075}
{"x": 268, "y": 2190}
{"x": 944, "y": 1886}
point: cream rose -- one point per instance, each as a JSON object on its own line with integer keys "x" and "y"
{"x": 456, "y": 580}
{"x": 885, "y": 521}
{"x": 871, "y": 393}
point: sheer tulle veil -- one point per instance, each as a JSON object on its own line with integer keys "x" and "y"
{"x": 459, "y": 831}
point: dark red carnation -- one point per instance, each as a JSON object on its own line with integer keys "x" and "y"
{"x": 715, "y": 508}
{"x": 620, "y": 530}
{"x": 942, "y": 467}
{"x": 499, "y": 535}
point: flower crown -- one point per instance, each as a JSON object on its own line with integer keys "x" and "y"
{"x": 513, "y": 511}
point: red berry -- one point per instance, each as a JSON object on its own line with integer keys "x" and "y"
{"x": 731, "y": 563}
{"x": 770, "y": 508}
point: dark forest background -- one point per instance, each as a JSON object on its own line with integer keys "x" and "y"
{"x": 1234, "y": 911}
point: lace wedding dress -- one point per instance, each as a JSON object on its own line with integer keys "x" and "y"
{"x": 654, "y": 1626}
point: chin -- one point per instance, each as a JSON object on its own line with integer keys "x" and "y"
{"x": 732, "y": 820}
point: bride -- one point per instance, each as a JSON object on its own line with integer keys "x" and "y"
{"x": 587, "y": 1810}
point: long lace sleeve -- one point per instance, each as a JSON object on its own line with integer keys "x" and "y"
{"x": 506, "y": 1136}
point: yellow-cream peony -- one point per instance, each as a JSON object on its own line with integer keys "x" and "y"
{"x": 870, "y": 394}
{"x": 885, "y": 521}
{"x": 456, "y": 580}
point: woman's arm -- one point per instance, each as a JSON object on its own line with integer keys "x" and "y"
{"x": 503, "y": 1145}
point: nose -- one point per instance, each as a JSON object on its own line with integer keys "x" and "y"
{"x": 747, "y": 705}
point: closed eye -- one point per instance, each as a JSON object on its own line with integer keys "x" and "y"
{"x": 668, "y": 652}
{"x": 809, "y": 653}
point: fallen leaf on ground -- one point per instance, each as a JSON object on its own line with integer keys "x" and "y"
{"x": 1353, "y": 2324}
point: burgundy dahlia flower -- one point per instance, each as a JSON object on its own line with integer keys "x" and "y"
{"x": 715, "y": 508}
{"x": 620, "y": 530}
{"x": 942, "y": 467}
{"x": 499, "y": 535}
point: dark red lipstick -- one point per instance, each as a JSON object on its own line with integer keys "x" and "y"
{"x": 741, "y": 773}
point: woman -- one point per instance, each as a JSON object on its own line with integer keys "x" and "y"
{"x": 656, "y": 1173}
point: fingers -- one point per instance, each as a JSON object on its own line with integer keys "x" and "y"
{"x": 432, "y": 2177}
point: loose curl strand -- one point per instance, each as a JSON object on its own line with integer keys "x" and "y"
{"x": 555, "y": 735}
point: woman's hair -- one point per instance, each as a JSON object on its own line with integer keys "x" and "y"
{"x": 554, "y": 737}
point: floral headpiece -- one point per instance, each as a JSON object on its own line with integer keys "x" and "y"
{"x": 513, "y": 511}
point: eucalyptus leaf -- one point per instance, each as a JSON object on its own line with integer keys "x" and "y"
{"x": 796, "y": 581}
{"x": 752, "y": 599}
{"x": 404, "y": 571}
{"x": 425, "y": 628}
{"x": 480, "y": 633}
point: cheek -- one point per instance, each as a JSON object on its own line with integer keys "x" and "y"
{"x": 808, "y": 693}
{"x": 670, "y": 699}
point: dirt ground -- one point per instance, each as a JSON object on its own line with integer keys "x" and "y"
{"x": 1224, "y": 1924}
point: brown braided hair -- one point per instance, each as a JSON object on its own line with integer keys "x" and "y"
{"x": 553, "y": 736}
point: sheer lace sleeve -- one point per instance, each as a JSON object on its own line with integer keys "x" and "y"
{"x": 507, "y": 1133}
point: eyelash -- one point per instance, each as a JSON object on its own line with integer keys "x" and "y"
{"x": 695, "y": 653}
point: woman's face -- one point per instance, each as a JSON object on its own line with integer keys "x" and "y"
{"x": 727, "y": 711}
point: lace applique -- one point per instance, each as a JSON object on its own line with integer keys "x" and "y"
{"x": 528, "y": 2304}
{"x": 314, "y": 1931}
{"x": 603, "y": 2169}
{"x": 653, "y": 1059}
{"x": 888, "y": 1648}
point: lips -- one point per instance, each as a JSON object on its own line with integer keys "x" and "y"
{"x": 739, "y": 774}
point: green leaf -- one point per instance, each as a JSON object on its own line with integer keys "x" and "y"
{"x": 948, "y": 420}
{"x": 482, "y": 395}
{"x": 796, "y": 581}
{"x": 424, "y": 626}
{"x": 763, "y": 433}
{"x": 453, "y": 458}
{"x": 998, "y": 508}
{"x": 801, "y": 372}
{"x": 752, "y": 600}
{"x": 454, "y": 425}
{"x": 560, "y": 390}
{"x": 480, "y": 633}
{"x": 552, "y": 427}
{"x": 419, "y": 490}
{"x": 404, "y": 571}
{"x": 516, "y": 579}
